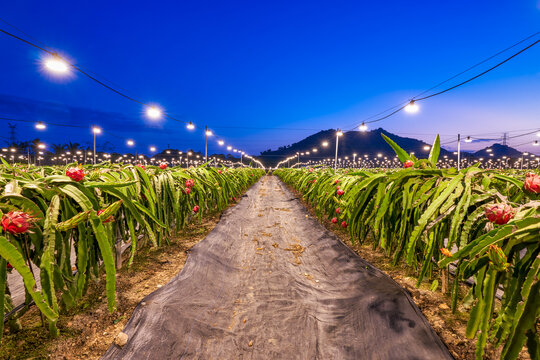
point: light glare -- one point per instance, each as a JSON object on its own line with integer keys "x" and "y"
{"x": 153, "y": 112}
{"x": 56, "y": 65}
{"x": 412, "y": 107}
{"x": 41, "y": 126}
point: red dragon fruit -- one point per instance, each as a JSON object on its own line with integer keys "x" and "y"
{"x": 499, "y": 213}
{"x": 532, "y": 183}
{"x": 75, "y": 173}
{"x": 17, "y": 222}
{"x": 408, "y": 164}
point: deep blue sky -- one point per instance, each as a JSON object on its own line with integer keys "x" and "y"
{"x": 274, "y": 64}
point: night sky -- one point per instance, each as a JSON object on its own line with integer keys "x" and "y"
{"x": 263, "y": 74}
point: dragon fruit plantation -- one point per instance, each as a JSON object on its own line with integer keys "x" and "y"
{"x": 270, "y": 180}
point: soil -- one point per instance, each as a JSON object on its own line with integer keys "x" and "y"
{"x": 87, "y": 331}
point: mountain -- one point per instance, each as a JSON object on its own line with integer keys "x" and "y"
{"x": 362, "y": 143}
{"x": 498, "y": 151}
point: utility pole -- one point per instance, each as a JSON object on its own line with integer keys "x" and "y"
{"x": 12, "y": 133}
{"x": 206, "y": 144}
{"x": 338, "y": 134}
{"x": 458, "y": 151}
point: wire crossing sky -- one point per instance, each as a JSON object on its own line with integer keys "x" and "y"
{"x": 252, "y": 70}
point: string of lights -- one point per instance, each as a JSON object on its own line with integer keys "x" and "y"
{"x": 59, "y": 64}
{"x": 412, "y": 106}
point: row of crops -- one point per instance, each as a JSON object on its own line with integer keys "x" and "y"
{"x": 485, "y": 222}
{"x": 49, "y": 211}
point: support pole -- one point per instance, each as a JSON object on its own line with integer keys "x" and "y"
{"x": 459, "y": 152}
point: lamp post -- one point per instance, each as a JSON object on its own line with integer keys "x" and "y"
{"x": 338, "y": 134}
{"x": 95, "y": 130}
{"x": 458, "y": 151}
{"x": 205, "y": 144}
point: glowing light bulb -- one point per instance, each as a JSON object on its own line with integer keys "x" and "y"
{"x": 325, "y": 143}
{"x": 468, "y": 139}
{"x": 56, "y": 64}
{"x": 40, "y": 125}
{"x": 412, "y": 107}
{"x": 152, "y": 148}
{"x": 154, "y": 112}
{"x": 427, "y": 147}
{"x": 190, "y": 126}
{"x": 96, "y": 130}
{"x": 221, "y": 142}
{"x": 339, "y": 132}
{"x": 229, "y": 147}
{"x": 363, "y": 127}
{"x": 130, "y": 142}
{"x": 208, "y": 132}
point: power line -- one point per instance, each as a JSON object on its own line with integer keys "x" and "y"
{"x": 403, "y": 105}
{"x": 477, "y": 64}
{"x": 482, "y": 73}
{"x": 85, "y": 72}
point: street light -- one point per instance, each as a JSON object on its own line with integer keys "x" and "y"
{"x": 207, "y": 133}
{"x": 363, "y": 127}
{"x": 338, "y": 134}
{"x": 95, "y": 131}
{"x": 130, "y": 142}
{"x": 190, "y": 126}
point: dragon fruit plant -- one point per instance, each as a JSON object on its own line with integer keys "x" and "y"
{"x": 410, "y": 161}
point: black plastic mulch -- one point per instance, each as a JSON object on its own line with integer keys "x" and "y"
{"x": 269, "y": 283}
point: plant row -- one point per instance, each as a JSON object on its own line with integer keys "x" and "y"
{"x": 485, "y": 222}
{"x": 49, "y": 212}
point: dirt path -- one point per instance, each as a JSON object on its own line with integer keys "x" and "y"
{"x": 269, "y": 283}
